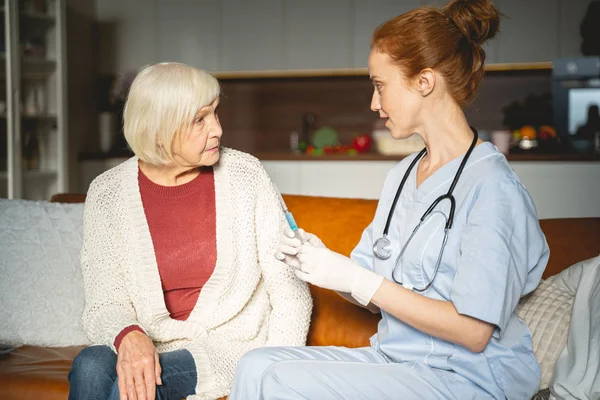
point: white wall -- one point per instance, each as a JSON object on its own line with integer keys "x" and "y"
{"x": 228, "y": 35}
{"x": 559, "y": 189}
{"x": 128, "y": 34}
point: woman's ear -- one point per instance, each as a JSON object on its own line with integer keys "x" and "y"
{"x": 426, "y": 82}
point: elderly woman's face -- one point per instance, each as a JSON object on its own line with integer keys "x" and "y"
{"x": 198, "y": 143}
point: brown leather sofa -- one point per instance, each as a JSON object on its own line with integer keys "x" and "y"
{"x": 41, "y": 373}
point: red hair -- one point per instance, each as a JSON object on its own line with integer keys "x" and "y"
{"x": 447, "y": 40}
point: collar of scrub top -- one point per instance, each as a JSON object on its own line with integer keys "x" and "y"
{"x": 382, "y": 248}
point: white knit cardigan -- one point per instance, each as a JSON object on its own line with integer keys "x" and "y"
{"x": 251, "y": 299}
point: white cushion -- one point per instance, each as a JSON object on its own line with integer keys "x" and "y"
{"x": 547, "y": 312}
{"x": 41, "y": 289}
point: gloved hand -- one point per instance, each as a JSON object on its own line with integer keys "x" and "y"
{"x": 330, "y": 270}
{"x": 290, "y": 243}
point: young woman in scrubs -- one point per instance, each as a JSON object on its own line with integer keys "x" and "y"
{"x": 448, "y": 328}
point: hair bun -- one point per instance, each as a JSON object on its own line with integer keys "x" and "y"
{"x": 478, "y": 20}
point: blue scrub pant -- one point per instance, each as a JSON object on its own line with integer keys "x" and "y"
{"x": 322, "y": 373}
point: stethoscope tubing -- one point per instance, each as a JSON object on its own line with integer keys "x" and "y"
{"x": 382, "y": 246}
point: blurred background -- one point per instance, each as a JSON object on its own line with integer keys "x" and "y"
{"x": 296, "y": 91}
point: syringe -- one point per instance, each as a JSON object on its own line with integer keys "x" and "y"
{"x": 290, "y": 218}
{"x": 291, "y": 221}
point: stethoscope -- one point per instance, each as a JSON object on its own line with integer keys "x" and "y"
{"x": 383, "y": 247}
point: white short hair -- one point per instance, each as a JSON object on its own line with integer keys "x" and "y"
{"x": 163, "y": 99}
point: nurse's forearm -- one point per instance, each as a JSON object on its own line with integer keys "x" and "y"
{"x": 435, "y": 317}
{"x": 371, "y": 307}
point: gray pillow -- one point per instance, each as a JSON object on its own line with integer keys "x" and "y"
{"x": 547, "y": 313}
{"x": 41, "y": 289}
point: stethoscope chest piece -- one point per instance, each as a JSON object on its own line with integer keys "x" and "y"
{"x": 382, "y": 248}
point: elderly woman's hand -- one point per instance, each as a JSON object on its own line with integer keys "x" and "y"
{"x": 138, "y": 367}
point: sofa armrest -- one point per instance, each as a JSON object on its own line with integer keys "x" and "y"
{"x": 68, "y": 198}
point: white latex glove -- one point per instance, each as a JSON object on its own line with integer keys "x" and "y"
{"x": 330, "y": 270}
{"x": 290, "y": 243}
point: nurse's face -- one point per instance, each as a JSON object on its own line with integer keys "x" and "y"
{"x": 396, "y": 99}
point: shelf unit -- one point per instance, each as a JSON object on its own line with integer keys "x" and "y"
{"x": 323, "y": 73}
{"x": 33, "y": 120}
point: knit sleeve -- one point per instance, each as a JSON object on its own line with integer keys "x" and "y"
{"x": 290, "y": 297}
{"x": 108, "y": 308}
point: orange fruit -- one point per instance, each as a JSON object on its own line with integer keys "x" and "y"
{"x": 528, "y": 132}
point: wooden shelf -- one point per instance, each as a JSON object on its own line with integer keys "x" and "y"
{"x": 31, "y": 68}
{"x": 292, "y": 73}
{"x": 45, "y": 117}
{"x": 30, "y": 174}
{"x": 37, "y": 18}
{"x": 29, "y": 18}
{"x": 283, "y": 156}
{"x": 39, "y": 174}
{"x": 532, "y": 66}
{"x": 345, "y": 72}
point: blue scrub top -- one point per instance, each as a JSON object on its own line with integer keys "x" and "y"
{"x": 496, "y": 253}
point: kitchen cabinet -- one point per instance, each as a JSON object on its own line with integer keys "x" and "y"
{"x": 233, "y": 35}
{"x": 367, "y": 16}
{"x": 252, "y": 35}
{"x": 317, "y": 34}
{"x": 529, "y": 32}
{"x": 559, "y": 189}
{"x": 534, "y": 30}
{"x": 188, "y": 32}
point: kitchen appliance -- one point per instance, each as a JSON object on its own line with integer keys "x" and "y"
{"x": 576, "y": 96}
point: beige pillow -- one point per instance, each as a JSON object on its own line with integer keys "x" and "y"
{"x": 547, "y": 312}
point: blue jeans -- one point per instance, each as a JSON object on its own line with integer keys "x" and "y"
{"x": 94, "y": 375}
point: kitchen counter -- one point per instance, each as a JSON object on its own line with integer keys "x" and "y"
{"x": 561, "y": 185}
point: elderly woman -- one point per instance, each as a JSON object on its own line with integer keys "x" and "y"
{"x": 177, "y": 259}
